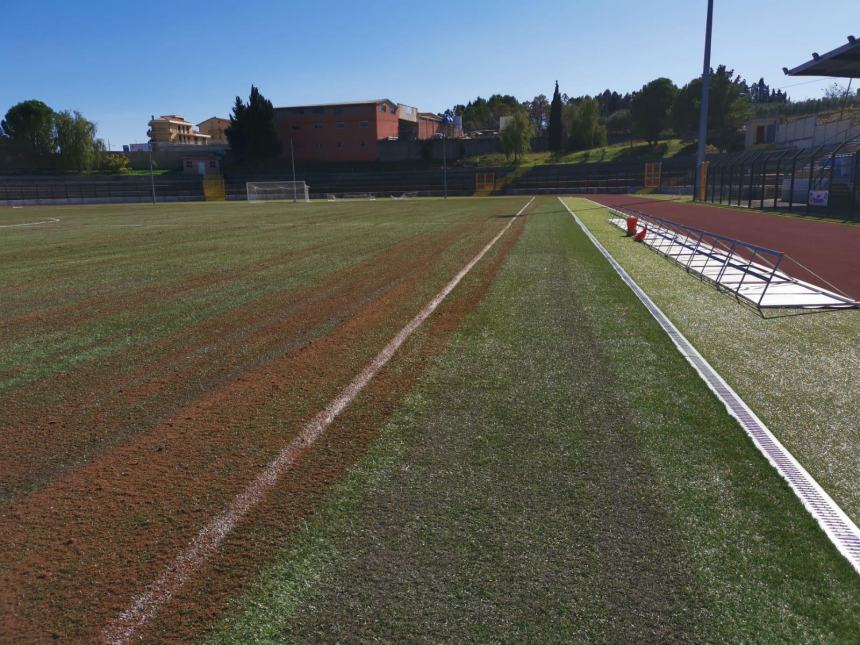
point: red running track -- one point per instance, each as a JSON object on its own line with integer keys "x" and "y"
{"x": 829, "y": 249}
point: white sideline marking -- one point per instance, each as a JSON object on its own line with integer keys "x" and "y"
{"x": 838, "y": 527}
{"x": 144, "y": 606}
{"x": 50, "y": 220}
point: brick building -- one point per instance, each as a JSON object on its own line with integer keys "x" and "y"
{"x": 336, "y": 131}
{"x": 350, "y": 131}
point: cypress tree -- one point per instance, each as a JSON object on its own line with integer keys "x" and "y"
{"x": 555, "y": 131}
{"x": 252, "y": 133}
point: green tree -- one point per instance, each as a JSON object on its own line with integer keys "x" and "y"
{"x": 581, "y": 119}
{"x": 729, "y": 107}
{"x": 684, "y": 114}
{"x": 78, "y": 147}
{"x": 252, "y": 134}
{"x": 114, "y": 162}
{"x": 484, "y": 114}
{"x": 835, "y": 91}
{"x": 620, "y": 123}
{"x": 538, "y": 111}
{"x": 517, "y": 136}
{"x": 650, "y": 108}
{"x": 555, "y": 131}
{"x": 30, "y": 127}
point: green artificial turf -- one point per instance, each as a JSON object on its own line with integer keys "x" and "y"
{"x": 120, "y": 287}
{"x": 561, "y": 473}
{"x": 798, "y": 372}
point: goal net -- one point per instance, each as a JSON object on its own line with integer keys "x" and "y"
{"x": 260, "y": 191}
{"x": 333, "y": 197}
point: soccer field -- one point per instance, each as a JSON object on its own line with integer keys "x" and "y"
{"x": 533, "y": 461}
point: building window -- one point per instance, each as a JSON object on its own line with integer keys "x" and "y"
{"x": 318, "y": 110}
{"x": 338, "y": 110}
{"x": 364, "y": 124}
{"x": 212, "y": 164}
{"x": 188, "y": 163}
{"x": 383, "y": 108}
{"x": 759, "y": 134}
{"x": 340, "y": 125}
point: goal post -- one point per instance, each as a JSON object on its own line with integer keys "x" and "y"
{"x": 262, "y": 191}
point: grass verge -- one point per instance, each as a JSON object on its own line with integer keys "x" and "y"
{"x": 795, "y": 371}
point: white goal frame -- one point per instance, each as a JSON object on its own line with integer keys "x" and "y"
{"x": 266, "y": 191}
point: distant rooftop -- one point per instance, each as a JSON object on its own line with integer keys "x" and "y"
{"x": 340, "y": 104}
{"x": 843, "y": 62}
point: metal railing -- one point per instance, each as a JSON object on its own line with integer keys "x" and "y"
{"x": 753, "y": 274}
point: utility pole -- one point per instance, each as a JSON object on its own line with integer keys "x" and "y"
{"x": 151, "y": 175}
{"x": 703, "y": 111}
{"x": 293, "y": 162}
{"x": 446, "y": 123}
{"x": 445, "y": 164}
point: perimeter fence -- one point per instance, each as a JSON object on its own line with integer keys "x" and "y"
{"x": 823, "y": 181}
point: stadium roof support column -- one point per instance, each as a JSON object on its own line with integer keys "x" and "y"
{"x": 703, "y": 110}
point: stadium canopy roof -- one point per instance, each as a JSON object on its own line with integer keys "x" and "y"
{"x": 843, "y": 62}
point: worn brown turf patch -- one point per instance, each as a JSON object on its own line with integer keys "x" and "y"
{"x": 73, "y": 554}
{"x": 98, "y": 406}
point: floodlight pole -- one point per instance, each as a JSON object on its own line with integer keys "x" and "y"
{"x": 445, "y": 163}
{"x": 151, "y": 175}
{"x": 703, "y": 110}
{"x": 293, "y": 162}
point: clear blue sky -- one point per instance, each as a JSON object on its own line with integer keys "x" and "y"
{"x": 119, "y": 62}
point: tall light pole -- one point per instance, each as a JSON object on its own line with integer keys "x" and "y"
{"x": 151, "y": 175}
{"x": 446, "y": 121}
{"x": 445, "y": 164}
{"x": 703, "y": 110}
{"x": 293, "y": 162}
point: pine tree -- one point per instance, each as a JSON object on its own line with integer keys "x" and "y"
{"x": 555, "y": 131}
{"x": 252, "y": 133}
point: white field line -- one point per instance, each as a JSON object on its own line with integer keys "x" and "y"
{"x": 144, "y": 606}
{"x": 838, "y": 527}
{"x": 50, "y": 220}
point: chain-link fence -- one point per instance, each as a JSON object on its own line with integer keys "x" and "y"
{"x": 822, "y": 181}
